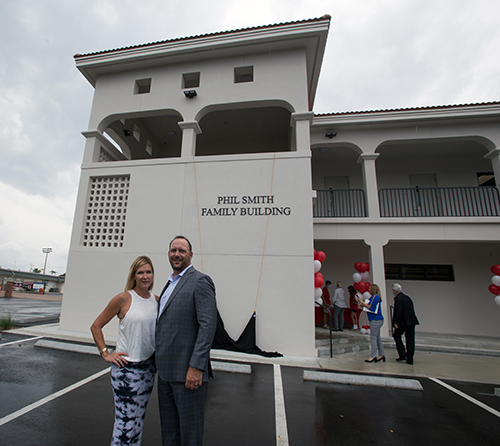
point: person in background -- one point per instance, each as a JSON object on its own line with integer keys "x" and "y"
{"x": 326, "y": 301}
{"x": 374, "y": 308}
{"x": 404, "y": 321}
{"x": 132, "y": 363}
{"x": 353, "y": 303}
{"x": 339, "y": 306}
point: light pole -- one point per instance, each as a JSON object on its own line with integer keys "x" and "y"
{"x": 46, "y": 251}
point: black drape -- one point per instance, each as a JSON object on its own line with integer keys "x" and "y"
{"x": 244, "y": 344}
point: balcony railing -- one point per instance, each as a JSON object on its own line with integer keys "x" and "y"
{"x": 339, "y": 203}
{"x": 440, "y": 202}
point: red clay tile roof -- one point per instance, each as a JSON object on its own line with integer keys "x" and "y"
{"x": 179, "y": 39}
{"x": 430, "y": 107}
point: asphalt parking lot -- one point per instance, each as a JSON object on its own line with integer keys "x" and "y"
{"x": 52, "y": 397}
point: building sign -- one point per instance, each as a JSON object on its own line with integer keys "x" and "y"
{"x": 245, "y": 206}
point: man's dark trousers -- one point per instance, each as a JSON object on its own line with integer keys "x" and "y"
{"x": 409, "y": 333}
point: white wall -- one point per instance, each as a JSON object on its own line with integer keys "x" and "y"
{"x": 163, "y": 203}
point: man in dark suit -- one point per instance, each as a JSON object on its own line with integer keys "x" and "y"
{"x": 187, "y": 319}
{"x": 404, "y": 321}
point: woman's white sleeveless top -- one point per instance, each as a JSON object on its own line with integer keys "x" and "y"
{"x": 136, "y": 332}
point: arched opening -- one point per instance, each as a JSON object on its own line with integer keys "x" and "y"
{"x": 244, "y": 130}
{"x": 145, "y": 135}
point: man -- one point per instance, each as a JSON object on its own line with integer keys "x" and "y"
{"x": 404, "y": 321}
{"x": 187, "y": 319}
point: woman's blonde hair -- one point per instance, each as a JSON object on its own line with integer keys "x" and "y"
{"x": 374, "y": 289}
{"x": 140, "y": 261}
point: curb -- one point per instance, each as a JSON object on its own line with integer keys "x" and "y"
{"x": 362, "y": 380}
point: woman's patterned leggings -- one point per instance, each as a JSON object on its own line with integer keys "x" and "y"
{"x": 132, "y": 386}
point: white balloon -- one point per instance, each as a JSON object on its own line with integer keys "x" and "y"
{"x": 366, "y": 295}
{"x": 365, "y": 277}
{"x": 368, "y": 331}
{"x": 318, "y": 292}
{"x": 356, "y": 277}
{"x": 319, "y": 301}
{"x": 496, "y": 280}
{"x": 358, "y": 294}
{"x": 317, "y": 266}
{"x": 363, "y": 331}
{"x": 497, "y": 299}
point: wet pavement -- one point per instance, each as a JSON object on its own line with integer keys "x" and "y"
{"x": 27, "y": 309}
{"x": 63, "y": 397}
{"x": 241, "y": 408}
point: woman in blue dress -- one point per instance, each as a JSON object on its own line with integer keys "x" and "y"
{"x": 373, "y": 307}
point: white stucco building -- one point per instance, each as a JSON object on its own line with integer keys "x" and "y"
{"x": 218, "y": 141}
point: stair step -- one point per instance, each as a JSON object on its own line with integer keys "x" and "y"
{"x": 324, "y": 350}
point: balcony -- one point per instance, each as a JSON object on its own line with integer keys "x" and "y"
{"x": 339, "y": 203}
{"x": 440, "y": 202}
{"x": 411, "y": 202}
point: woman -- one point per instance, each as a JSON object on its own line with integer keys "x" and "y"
{"x": 353, "y": 303}
{"x": 339, "y": 306}
{"x": 133, "y": 366}
{"x": 326, "y": 301}
{"x": 374, "y": 309}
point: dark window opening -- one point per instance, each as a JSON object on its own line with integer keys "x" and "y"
{"x": 191, "y": 80}
{"x": 243, "y": 74}
{"x": 486, "y": 179}
{"x": 439, "y": 273}
{"x": 142, "y": 86}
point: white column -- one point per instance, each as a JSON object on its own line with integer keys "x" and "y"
{"x": 189, "y": 131}
{"x": 367, "y": 161}
{"x": 494, "y": 156}
{"x": 377, "y": 269}
{"x": 301, "y": 134}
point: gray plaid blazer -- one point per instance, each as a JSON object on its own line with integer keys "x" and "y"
{"x": 185, "y": 329}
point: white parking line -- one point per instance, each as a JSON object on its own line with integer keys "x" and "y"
{"x": 279, "y": 407}
{"x": 55, "y": 395}
{"x": 21, "y": 340}
{"x": 467, "y": 397}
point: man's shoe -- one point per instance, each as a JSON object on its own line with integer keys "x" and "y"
{"x": 400, "y": 359}
{"x": 409, "y": 362}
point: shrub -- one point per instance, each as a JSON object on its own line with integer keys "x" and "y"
{"x": 5, "y": 321}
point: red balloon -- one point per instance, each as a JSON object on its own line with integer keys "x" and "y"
{"x": 318, "y": 274}
{"x": 357, "y": 267}
{"x": 320, "y": 255}
{"x": 496, "y": 270}
{"x": 365, "y": 267}
{"x": 362, "y": 286}
{"x": 318, "y": 282}
{"x": 494, "y": 289}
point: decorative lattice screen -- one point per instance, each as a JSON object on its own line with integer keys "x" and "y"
{"x": 105, "y": 212}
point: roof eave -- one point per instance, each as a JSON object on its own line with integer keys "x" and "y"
{"x": 289, "y": 35}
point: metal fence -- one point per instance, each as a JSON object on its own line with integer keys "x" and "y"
{"x": 440, "y": 202}
{"x": 339, "y": 203}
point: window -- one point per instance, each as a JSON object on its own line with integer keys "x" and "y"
{"x": 486, "y": 179}
{"x": 142, "y": 86}
{"x": 440, "y": 273}
{"x": 243, "y": 74}
{"x": 191, "y": 80}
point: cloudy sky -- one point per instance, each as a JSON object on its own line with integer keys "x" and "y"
{"x": 381, "y": 54}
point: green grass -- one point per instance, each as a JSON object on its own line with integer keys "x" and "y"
{"x": 5, "y": 321}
